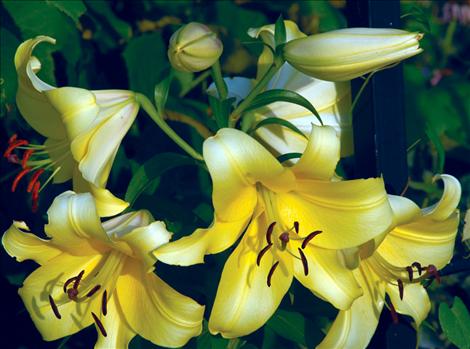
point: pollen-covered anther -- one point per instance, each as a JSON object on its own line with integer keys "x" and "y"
{"x": 54, "y": 308}
{"x": 271, "y": 272}
{"x": 27, "y": 154}
{"x": 262, "y": 253}
{"x": 409, "y": 269}
{"x": 296, "y": 227}
{"x": 13, "y": 143}
{"x": 99, "y": 324}
{"x": 432, "y": 270}
{"x": 269, "y": 233}
{"x": 401, "y": 288}
{"x": 104, "y": 303}
{"x": 304, "y": 261}
{"x": 418, "y": 267}
{"x": 18, "y": 178}
{"x": 35, "y": 196}
{"x": 309, "y": 238}
{"x": 34, "y": 179}
{"x": 93, "y": 291}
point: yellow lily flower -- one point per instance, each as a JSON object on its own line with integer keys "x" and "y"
{"x": 332, "y": 100}
{"x": 412, "y": 251}
{"x": 295, "y": 220}
{"x": 83, "y": 128}
{"x": 93, "y": 272}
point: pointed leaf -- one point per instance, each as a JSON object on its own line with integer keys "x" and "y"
{"x": 279, "y": 95}
{"x": 278, "y": 121}
{"x": 221, "y": 110}
{"x": 288, "y": 156}
{"x": 455, "y": 323}
{"x": 279, "y": 31}
{"x": 161, "y": 92}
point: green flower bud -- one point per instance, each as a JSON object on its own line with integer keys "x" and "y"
{"x": 194, "y": 47}
{"x": 346, "y": 54}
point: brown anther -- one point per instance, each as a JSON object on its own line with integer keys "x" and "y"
{"x": 271, "y": 272}
{"x": 269, "y": 233}
{"x": 104, "y": 303}
{"x": 68, "y": 282}
{"x": 27, "y": 154}
{"x": 410, "y": 273}
{"x": 78, "y": 279}
{"x": 401, "y": 289}
{"x": 432, "y": 270}
{"x": 284, "y": 237}
{"x": 34, "y": 179}
{"x": 418, "y": 267}
{"x": 261, "y": 254}
{"x": 309, "y": 237}
{"x": 99, "y": 324}
{"x": 393, "y": 313}
{"x": 18, "y": 178}
{"x": 304, "y": 261}
{"x": 93, "y": 291}
{"x": 72, "y": 293}
{"x": 54, "y": 308}
{"x": 296, "y": 227}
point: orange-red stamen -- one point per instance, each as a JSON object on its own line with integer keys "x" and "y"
{"x": 18, "y": 178}
{"x": 35, "y": 195}
{"x": 33, "y": 180}
{"x": 13, "y": 146}
{"x": 27, "y": 154}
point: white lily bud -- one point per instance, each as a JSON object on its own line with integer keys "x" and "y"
{"x": 345, "y": 54}
{"x": 194, "y": 47}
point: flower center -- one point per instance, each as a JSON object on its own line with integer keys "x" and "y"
{"x": 287, "y": 239}
{"x": 84, "y": 288}
{"x": 35, "y": 160}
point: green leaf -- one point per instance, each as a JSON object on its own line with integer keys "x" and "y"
{"x": 455, "y": 323}
{"x": 279, "y": 32}
{"x": 152, "y": 170}
{"x": 279, "y": 95}
{"x": 8, "y": 81}
{"x": 161, "y": 92}
{"x": 102, "y": 10}
{"x": 221, "y": 110}
{"x": 278, "y": 121}
{"x": 145, "y": 57}
{"x": 289, "y": 325}
{"x": 288, "y": 156}
{"x": 72, "y": 8}
{"x": 41, "y": 18}
{"x": 436, "y": 141}
{"x": 208, "y": 341}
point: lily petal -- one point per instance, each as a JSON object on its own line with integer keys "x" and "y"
{"x": 236, "y": 163}
{"x": 449, "y": 200}
{"x": 349, "y": 213}
{"x": 191, "y": 249}
{"x": 266, "y": 32}
{"x": 31, "y": 102}
{"x": 155, "y": 310}
{"x": 23, "y": 245}
{"x": 404, "y": 210}
{"x": 106, "y": 203}
{"x": 328, "y": 279}
{"x": 415, "y": 301}
{"x": 425, "y": 241}
{"x": 118, "y": 331}
{"x": 47, "y": 281}
{"x": 353, "y": 328}
{"x": 244, "y": 301}
{"x": 321, "y": 155}
{"x": 73, "y": 219}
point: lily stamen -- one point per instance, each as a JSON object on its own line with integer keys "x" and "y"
{"x": 33, "y": 179}
{"x": 296, "y": 227}
{"x": 18, "y": 178}
{"x": 271, "y": 272}
{"x": 304, "y": 261}
{"x": 432, "y": 270}
{"x": 54, "y": 308}
{"x": 401, "y": 289}
{"x": 27, "y": 154}
{"x": 409, "y": 269}
{"x": 93, "y": 291}
{"x": 99, "y": 324}
{"x": 309, "y": 237}
{"x": 393, "y": 313}
{"x": 104, "y": 303}
{"x": 418, "y": 267}
{"x": 269, "y": 233}
{"x": 262, "y": 253}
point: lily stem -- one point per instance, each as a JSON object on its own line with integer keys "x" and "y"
{"x": 159, "y": 120}
{"x": 203, "y": 76}
{"x": 219, "y": 80}
{"x": 273, "y": 69}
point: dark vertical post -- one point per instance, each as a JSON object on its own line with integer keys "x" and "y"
{"x": 379, "y": 118}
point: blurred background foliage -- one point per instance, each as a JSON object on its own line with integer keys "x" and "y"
{"x": 122, "y": 44}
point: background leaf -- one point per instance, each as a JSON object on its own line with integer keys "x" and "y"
{"x": 455, "y": 322}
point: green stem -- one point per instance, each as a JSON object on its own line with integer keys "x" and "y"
{"x": 153, "y": 113}
{"x": 356, "y": 99}
{"x": 194, "y": 83}
{"x": 219, "y": 80}
{"x": 273, "y": 69}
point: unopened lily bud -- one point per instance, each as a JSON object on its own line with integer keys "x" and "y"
{"x": 194, "y": 47}
{"x": 346, "y": 54}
